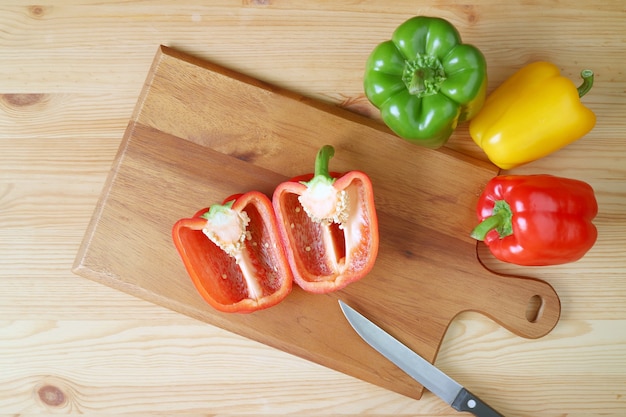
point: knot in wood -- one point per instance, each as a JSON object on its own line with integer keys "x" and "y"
{"x": 51, "y": 395}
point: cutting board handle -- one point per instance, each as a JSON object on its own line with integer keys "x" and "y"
{"x": 528, "y": 307}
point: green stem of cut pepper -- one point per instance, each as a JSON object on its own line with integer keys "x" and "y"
{"x": 217, "y": 209}
{"x": 322, "y": 161}
{"x": 321, "y": 201}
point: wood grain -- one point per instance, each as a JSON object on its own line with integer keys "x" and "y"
{"x": 113, "y": 353}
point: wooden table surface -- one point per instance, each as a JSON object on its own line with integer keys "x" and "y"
{"x": 70, "y": 75}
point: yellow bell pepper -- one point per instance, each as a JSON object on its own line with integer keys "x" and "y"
{"x": 532, "y": 114}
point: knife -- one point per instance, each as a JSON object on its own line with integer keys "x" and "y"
{"x": 417, "y": 367}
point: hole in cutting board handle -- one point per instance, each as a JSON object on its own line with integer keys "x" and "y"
{"x": 534, "y": 308}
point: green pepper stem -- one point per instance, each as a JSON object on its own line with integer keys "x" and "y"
{"x": 322, "y": 161}
{"x": 500, "y": 220}
{"x": 587, "y": 76}
{"x": 423, "y": 75}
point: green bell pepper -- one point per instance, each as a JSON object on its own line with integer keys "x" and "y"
{"x": 425, "y": 80}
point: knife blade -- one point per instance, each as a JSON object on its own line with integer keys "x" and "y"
{"x": 432, "y": 378}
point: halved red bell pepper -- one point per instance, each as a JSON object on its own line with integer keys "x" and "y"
{"x": 234, "y": 255}
{"x": 537, "y": 220}
{"x": 328, "y": 225}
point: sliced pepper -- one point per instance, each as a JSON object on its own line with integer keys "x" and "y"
{"x": 425, "y": 80}
{"x": 328, "y": 225}
{"x": 531, "y": 115}
{"x": 233, "y": 254}
{"x": 537, "y": 220}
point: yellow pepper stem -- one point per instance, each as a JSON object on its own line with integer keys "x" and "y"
{"x": 587, "y": 76}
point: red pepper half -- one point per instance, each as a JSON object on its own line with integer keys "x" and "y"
{"x": 328, "y": 225}
{"x": 234, "y": 255}
{"x": 537, "y": 220}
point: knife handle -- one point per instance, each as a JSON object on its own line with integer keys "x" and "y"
{"x": 466, "y": 401}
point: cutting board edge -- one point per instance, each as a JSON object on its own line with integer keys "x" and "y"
{"x": 102, "y": 198}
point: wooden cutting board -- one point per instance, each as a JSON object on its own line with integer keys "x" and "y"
{"x": 201, "y": 132}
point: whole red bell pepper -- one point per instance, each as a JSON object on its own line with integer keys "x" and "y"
{"x": 328, "y": 225}
{"x": 537, "y": 220}
{"x": 233, "y": 254}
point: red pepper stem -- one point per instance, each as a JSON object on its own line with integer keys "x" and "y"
{"x": 322, "y": 161}
{"x": 500, "y": 221}
{"x": 587, "y": 76}
{"x": 486, "y": 226}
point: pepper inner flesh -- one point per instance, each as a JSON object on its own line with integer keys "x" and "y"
{"x": 319, "y": 246}
{"x": 327, "y": 249}
{"x": 251, "y": 272}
